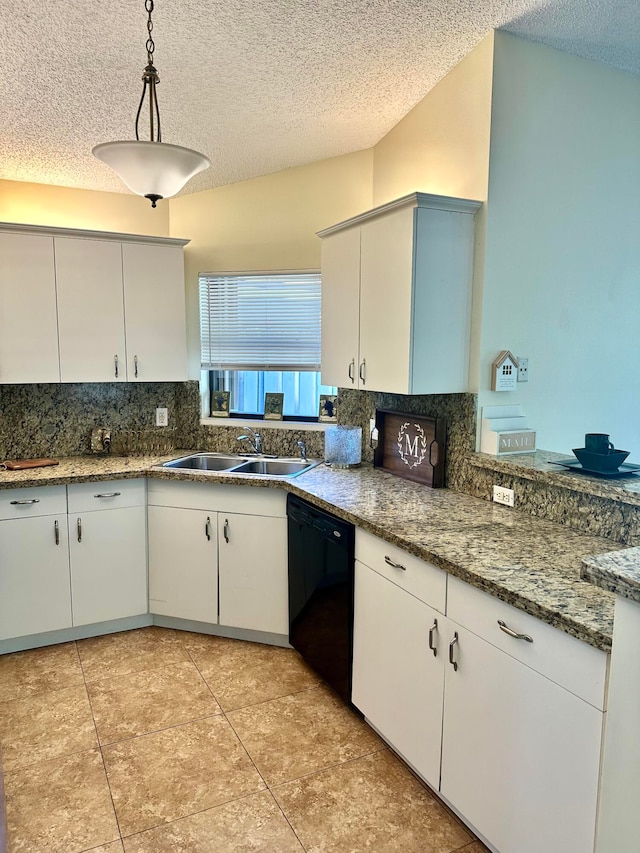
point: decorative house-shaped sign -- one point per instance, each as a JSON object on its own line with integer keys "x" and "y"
{"x": 504, "y": 372}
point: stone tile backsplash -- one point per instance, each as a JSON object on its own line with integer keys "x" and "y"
{"x": 57, "y": 419}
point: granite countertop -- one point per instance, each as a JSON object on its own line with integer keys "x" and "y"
{"x": 618, "y": 572}
{"x": 531, "y": 563}
{"x": 540, "y": 467}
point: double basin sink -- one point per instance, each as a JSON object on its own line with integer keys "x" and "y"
{"x": 261, "y": 465}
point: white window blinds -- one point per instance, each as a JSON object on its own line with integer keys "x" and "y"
{"x": 260, "y": 321}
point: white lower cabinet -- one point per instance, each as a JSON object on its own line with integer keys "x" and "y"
{"x": 71, "y": 556}
{"x": 35, "y": 595}
{"x": 397, "y": 683}
{"x": 183, "y": 580}
{"x": 218, "y": 554}
{"x": 252, "y": 571}
{"x": 508, "y": 731}
{"x": 108, "y": 551}
{"x": 520, "y": 754}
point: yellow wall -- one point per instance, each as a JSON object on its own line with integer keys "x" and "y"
{"x": 268, "y": 223}
{"x": 442, "y": 145}
{"x": 43, "y": 204}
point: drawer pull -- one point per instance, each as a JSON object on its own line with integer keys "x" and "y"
{"x": 390, "y": 562}
{"x": 453, "y": 642}
{"x": 135, "y": 365}
{"x": 56, "y": 531}
{"x": 79, "y": 529}
{"x": 352, "y": 370}
{"x": 108, "y": 495}
{"x": 207, "y": 529}
{"x": 115, "y": 365}
{"x": 25, "y": 503}
{"x": 363, "y": 371}
{"x": 432, "y": 631}
{"x": 226, "y": 530}
{"x": 507, "y": 630}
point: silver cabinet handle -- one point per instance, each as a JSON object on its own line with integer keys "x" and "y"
{"x": 226, "y": 530}
{"x": 115, "y": 364}
{"x": 363, "y": 371}
{"x": 432, "y": 631}
{"x": 79, "y": 529}
{"x": 207, "y": 529}
{"x": 453, "y": 642}
{"x": 25, "y": 503}
{"x": 352, "y": 370}
{"x": 56, "y": 531}
{"x": 135, "y": 365}
{"x": 108, "y": 495}
{"x": 390, "y": 562}
{"x": 507, "y": 630}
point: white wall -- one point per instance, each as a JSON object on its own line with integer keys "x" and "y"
{"x": 562, "y": 272}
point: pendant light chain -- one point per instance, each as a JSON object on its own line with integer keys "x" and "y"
{"x": 148, "y": 5}
{"x": 150, "y": 79}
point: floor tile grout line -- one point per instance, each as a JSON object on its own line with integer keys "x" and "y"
{"x": 318, "y": 770}
{"x": 108, "y": 744}
{"x": 104, "y": 766}
{"x": 285, "y": 816}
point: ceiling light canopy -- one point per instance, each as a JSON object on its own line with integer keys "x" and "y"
{"x": 151, "y": 169}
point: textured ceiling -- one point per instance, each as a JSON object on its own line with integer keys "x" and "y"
{"x": 257, "y": 85}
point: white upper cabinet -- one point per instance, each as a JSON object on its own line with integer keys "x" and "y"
{"x": 397, "y": 287}
{"x": 28, "y": 323}
{"x": 90, "y": 310}
{"x": 154, "y": 310}
{"x": 341, "y": 308}
{"x": 89, "y": 306}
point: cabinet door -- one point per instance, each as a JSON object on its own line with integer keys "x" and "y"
{"x": 35, "y": 595}
{"x": 28, "y": 321}
{"x": 386, "y": 279}
{"x": 90, "y": 310}
{"x": 340, "y": 308}
{"x": 397, "y": 679}
{"x": 108, "y": 564}
{"x": 183, "y": 563}
{"x": 520, "y": 755}
{"x": 154, "y": 299}
{"x": 253, "y": 572}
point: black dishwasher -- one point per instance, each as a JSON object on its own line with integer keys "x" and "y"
{"x": 321, "y": 570}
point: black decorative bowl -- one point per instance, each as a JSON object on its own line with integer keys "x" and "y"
{"x": 600, "y": 462}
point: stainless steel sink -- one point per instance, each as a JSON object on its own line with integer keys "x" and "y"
{"x": 262, "y": 466}
{"x": 275, "y": 467}
{"x": 206, "y": 462}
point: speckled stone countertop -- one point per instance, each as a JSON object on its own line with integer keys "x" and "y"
{"x": 540, "y": 467}
{"x": 618, "y": 572}
{"x": 533, "y": 564}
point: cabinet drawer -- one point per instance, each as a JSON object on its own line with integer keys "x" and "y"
{"x": 107, "y": 494}
{"x": 218, "y": 497}
{"x": 39, "y": 500}
{"x": 426, "y": 582}
{"x": 576, "y": 666}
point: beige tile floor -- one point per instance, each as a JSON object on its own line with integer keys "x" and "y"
{"x": 159, "y": 741}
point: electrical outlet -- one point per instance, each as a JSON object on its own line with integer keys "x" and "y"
{"x": 502, "y": 495}
{"x": 162, "y": 417}
{"x": 523, "y": 369}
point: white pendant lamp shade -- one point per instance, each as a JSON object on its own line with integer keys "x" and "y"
{"x": 152, "y": 169}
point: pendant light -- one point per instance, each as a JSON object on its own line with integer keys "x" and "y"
{"x": 151, "y": 169}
